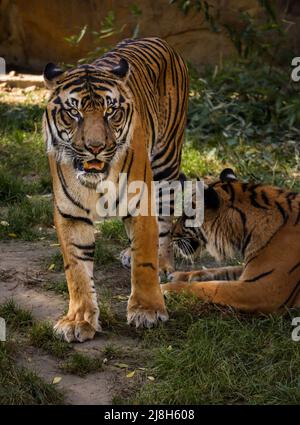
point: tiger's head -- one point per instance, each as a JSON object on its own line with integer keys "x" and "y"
{"x": 88, "y": 117}
{"x": 233, "y": 212}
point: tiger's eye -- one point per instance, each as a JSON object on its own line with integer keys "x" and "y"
{"x": 109, "y": 110}
{"x": 74, "y": 112}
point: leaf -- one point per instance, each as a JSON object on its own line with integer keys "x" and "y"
{"x": 4, "y": 223}
{"x": 51, "y": 267}
{"x": 151, "y": 378}
{"x": 56, "y": 380}
{"x": 12, "y": 235}
{"x": 54, "y": 244}
{"x": 130, "y": 374}
{"x": 121, "y": 365}
{"x": 121, "y": 297}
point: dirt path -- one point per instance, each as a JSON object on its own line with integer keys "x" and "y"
{"x": 23, "y": 271}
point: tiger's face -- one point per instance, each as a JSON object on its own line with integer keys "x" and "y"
{"x": 187, "y": 240}
{"x": 88, "y": 118}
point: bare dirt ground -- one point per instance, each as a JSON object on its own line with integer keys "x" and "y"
{"x": 23, "y": 271}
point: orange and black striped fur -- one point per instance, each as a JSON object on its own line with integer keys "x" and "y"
{"x": 258, "y": 221}
{"x": 124, "y": 113}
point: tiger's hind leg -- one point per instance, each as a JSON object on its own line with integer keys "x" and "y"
{"x": 220, "y": 273}
{"x": 166, "y": 258}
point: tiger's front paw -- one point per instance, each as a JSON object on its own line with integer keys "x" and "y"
{"x": 72, "y": 328}
{"x": 165, "y": 268}
{"x": 146, "y": 314}
{"x": 179, "y": 276}
{"x": 125, "y": 258}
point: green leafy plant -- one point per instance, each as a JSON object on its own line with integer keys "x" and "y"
{"x": 251, "y": 36}
{"x": 108, "y": 29}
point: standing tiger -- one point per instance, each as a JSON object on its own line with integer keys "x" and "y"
{"x": 260, "y": 222}
{"x": 124, "y": 113}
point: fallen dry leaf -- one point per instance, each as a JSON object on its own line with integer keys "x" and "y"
{"x": 121, "y": 365}
{"x": 56, "y": 380}
{"x": 130, "y": 374}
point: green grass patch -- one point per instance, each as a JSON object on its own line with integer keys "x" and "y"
{"x": 209, "y": 355}
{"x": 112, "y": 351}
{"x": 113, "y": 229}
{"x": 60, "y": 287}
{"x": 43, "y": 336}
{"x": 105, "y": 253}
{"x": 19, "y": 386}
{"x": 81, "y": 364}
{"x": 246, "y": 116}
{"x": 57, "y": 260}
{"x": 22, "y": 149}
{"x": 15, "y": 317}
{"x": 107, "y": 315}
{"x": 28, "y": 219}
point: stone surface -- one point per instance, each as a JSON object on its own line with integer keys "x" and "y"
{"x": 33, "y": 35}
{"x": 22, "y": 81}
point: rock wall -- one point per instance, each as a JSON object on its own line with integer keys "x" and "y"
{"x": 33, "y": 31}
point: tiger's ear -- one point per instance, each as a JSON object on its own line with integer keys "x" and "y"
{"x": 51, "y": 74}
{"x": 121, "y": 69}
{"x": 227, "y": 175}
{"x": 211, "y": 198}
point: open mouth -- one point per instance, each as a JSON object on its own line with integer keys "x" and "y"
{"x": 92, "y": 166}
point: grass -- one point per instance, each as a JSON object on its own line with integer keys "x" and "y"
{"x": 15, "y": 317}
{"x": 107, "y": 315}
{"x": 113, "y": 229}
{"x": 222, "y": 358}
{"x": 24, "y": 174}
{"x": 42, "y": 336}
{"x": 106, "y": 253}
{"x": 19, "y": 386}
{"x": 246, "y": 116}
{"x": 81, "y": 364}
{"x": 22, "y": 149}
{"x": 59, "y": 287}
{"x": 57, "y": 261}
{"x": 29, "y": 219}
{"x": 111, "y": 351}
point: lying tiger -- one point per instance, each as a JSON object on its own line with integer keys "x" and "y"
{"x": 260, "y": 222}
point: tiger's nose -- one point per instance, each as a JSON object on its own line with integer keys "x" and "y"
{"x": 95, "y": 149}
